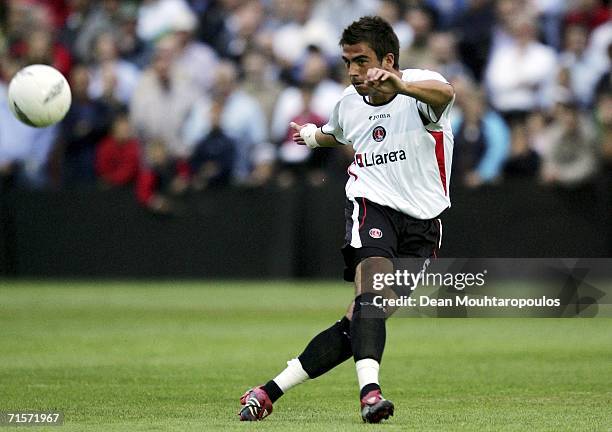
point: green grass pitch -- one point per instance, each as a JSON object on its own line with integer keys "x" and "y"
{"x": 176, "y": 356}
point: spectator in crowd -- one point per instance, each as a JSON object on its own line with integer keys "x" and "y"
{"x": 550, "y": 18}
{"x": 340, "y": 13}
{"x": 112, "y": 78}
{"x": 283, "y": 49}
{"x": 582, "y": 70}
{"x": 160, "y": 178}
{"x": 161, "y": 101}
{"x": 21, "y": 18}
{"x": 242, "y": 119}
{"x": 158, "y": 17}
{"x": 604, "y": 84}
{"x": 570, "y": 151}
{"x": 507, "y": 12}
{"x": 482, "y": 142}
{"x": 519, "y": 76}
{"x": 91, "y": 19}
{"x": 587, "y": 13}
{"x": 599, "y": 43}
{"x": 448, "y": 11}
{"x": 302, "y": 30}
{"x": 261, "y": 79}
{"x": 24, "y": 150}
{"x": 40, "y": 47}
{"x": 86, "y": 20}
{"x": 314, "y": 73}
{"x": 243, "y": 24}
{"x": 417, "y": 55}
{"x": 444, "y": 57}
{"x": 298, "y": 162}
{"x": 473, "y": 30}
{"x": 85, "y": 124}
{"x": 603, "y": 117}
{"x": 78, "y": 12}
{"x": 392, "y": 11}
{"x": 130, "y": 46}
{"x": 524, "y": 161}
{"x": 214, "y": 156}
{"x": 197, "y": 59}
{"x": 214, "y": 25}
{"x": 118, "y": 154}
{"x": 55, "y": 10}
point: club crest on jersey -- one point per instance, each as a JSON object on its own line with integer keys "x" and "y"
{"x": 379, "y": 133}
{"x": 375, "y": 233}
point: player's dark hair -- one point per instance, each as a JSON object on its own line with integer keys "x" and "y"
{"x": 377, "y": 33}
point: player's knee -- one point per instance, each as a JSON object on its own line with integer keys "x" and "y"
{"x": 375, "y": 264}
{"x": 368, "y": 305}
{"x": 362, "y": 300}
{"x": 370, "y": 270}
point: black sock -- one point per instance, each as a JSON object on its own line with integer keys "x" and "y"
{"x": 367, "y": 389}
{"x": 368, "y": 331}
{"x": 273, "y": 390}
{"x": 328, "y": 349}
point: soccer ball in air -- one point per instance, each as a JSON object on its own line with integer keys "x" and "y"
{"x": 39, "y": 95}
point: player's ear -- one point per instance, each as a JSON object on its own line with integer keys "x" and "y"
{"x": 388, "y": 61}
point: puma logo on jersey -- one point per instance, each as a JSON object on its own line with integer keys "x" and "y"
{"x": 379, "y": 116}
{"x": 372, "y": 159}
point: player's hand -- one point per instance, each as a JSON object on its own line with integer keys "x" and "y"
{"x": 383, "y": 81}
{"x": 296, "y": 136}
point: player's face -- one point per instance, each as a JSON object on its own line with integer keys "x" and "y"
{"x": 358, "y": 59}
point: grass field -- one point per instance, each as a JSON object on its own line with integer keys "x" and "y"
{"x": 177, "y": 356}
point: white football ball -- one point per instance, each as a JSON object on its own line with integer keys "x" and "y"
{"x": 39, "y": 95}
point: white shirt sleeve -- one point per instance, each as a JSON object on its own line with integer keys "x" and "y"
{"x": 423, "y": 75}
{"x": 334, "y": 127}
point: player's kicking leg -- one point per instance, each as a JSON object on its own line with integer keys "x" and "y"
{"x": 332, "y": 347}
{"x": 324, "y": 352}
{"x": 359, "y": 334}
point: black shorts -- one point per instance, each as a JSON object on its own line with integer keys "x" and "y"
{"x": 374, "y": 230}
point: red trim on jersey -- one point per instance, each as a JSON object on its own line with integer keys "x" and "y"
{"x": 365, "y": 212}
{"x": 348, "y": 170}
{"x": 439, "y": 138}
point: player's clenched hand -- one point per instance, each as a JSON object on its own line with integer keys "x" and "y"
{"x": 296, "y": 136}
{"x": 383, "y": 81}
{"x": 305, "y": 134}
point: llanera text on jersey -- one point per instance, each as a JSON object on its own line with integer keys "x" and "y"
{"x": 372, "y": 159}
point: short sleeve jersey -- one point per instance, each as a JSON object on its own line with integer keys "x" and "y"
{"x": 403, "y": 151}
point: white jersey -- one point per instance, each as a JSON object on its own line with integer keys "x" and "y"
{"x": 403, "y": 153}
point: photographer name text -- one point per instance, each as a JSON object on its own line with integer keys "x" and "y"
{"x": 483, "y": 301}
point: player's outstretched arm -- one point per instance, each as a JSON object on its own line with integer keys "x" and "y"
{"x": 436, "y": 94}
{"x": 312, "y": 136}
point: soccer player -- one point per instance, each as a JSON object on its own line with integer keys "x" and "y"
{"x": 398, "y": 124}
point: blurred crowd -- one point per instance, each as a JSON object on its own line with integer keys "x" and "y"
{"x": 171, "y": 96}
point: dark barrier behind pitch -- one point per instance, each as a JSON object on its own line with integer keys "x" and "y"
{"x": 249, "y": 233}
